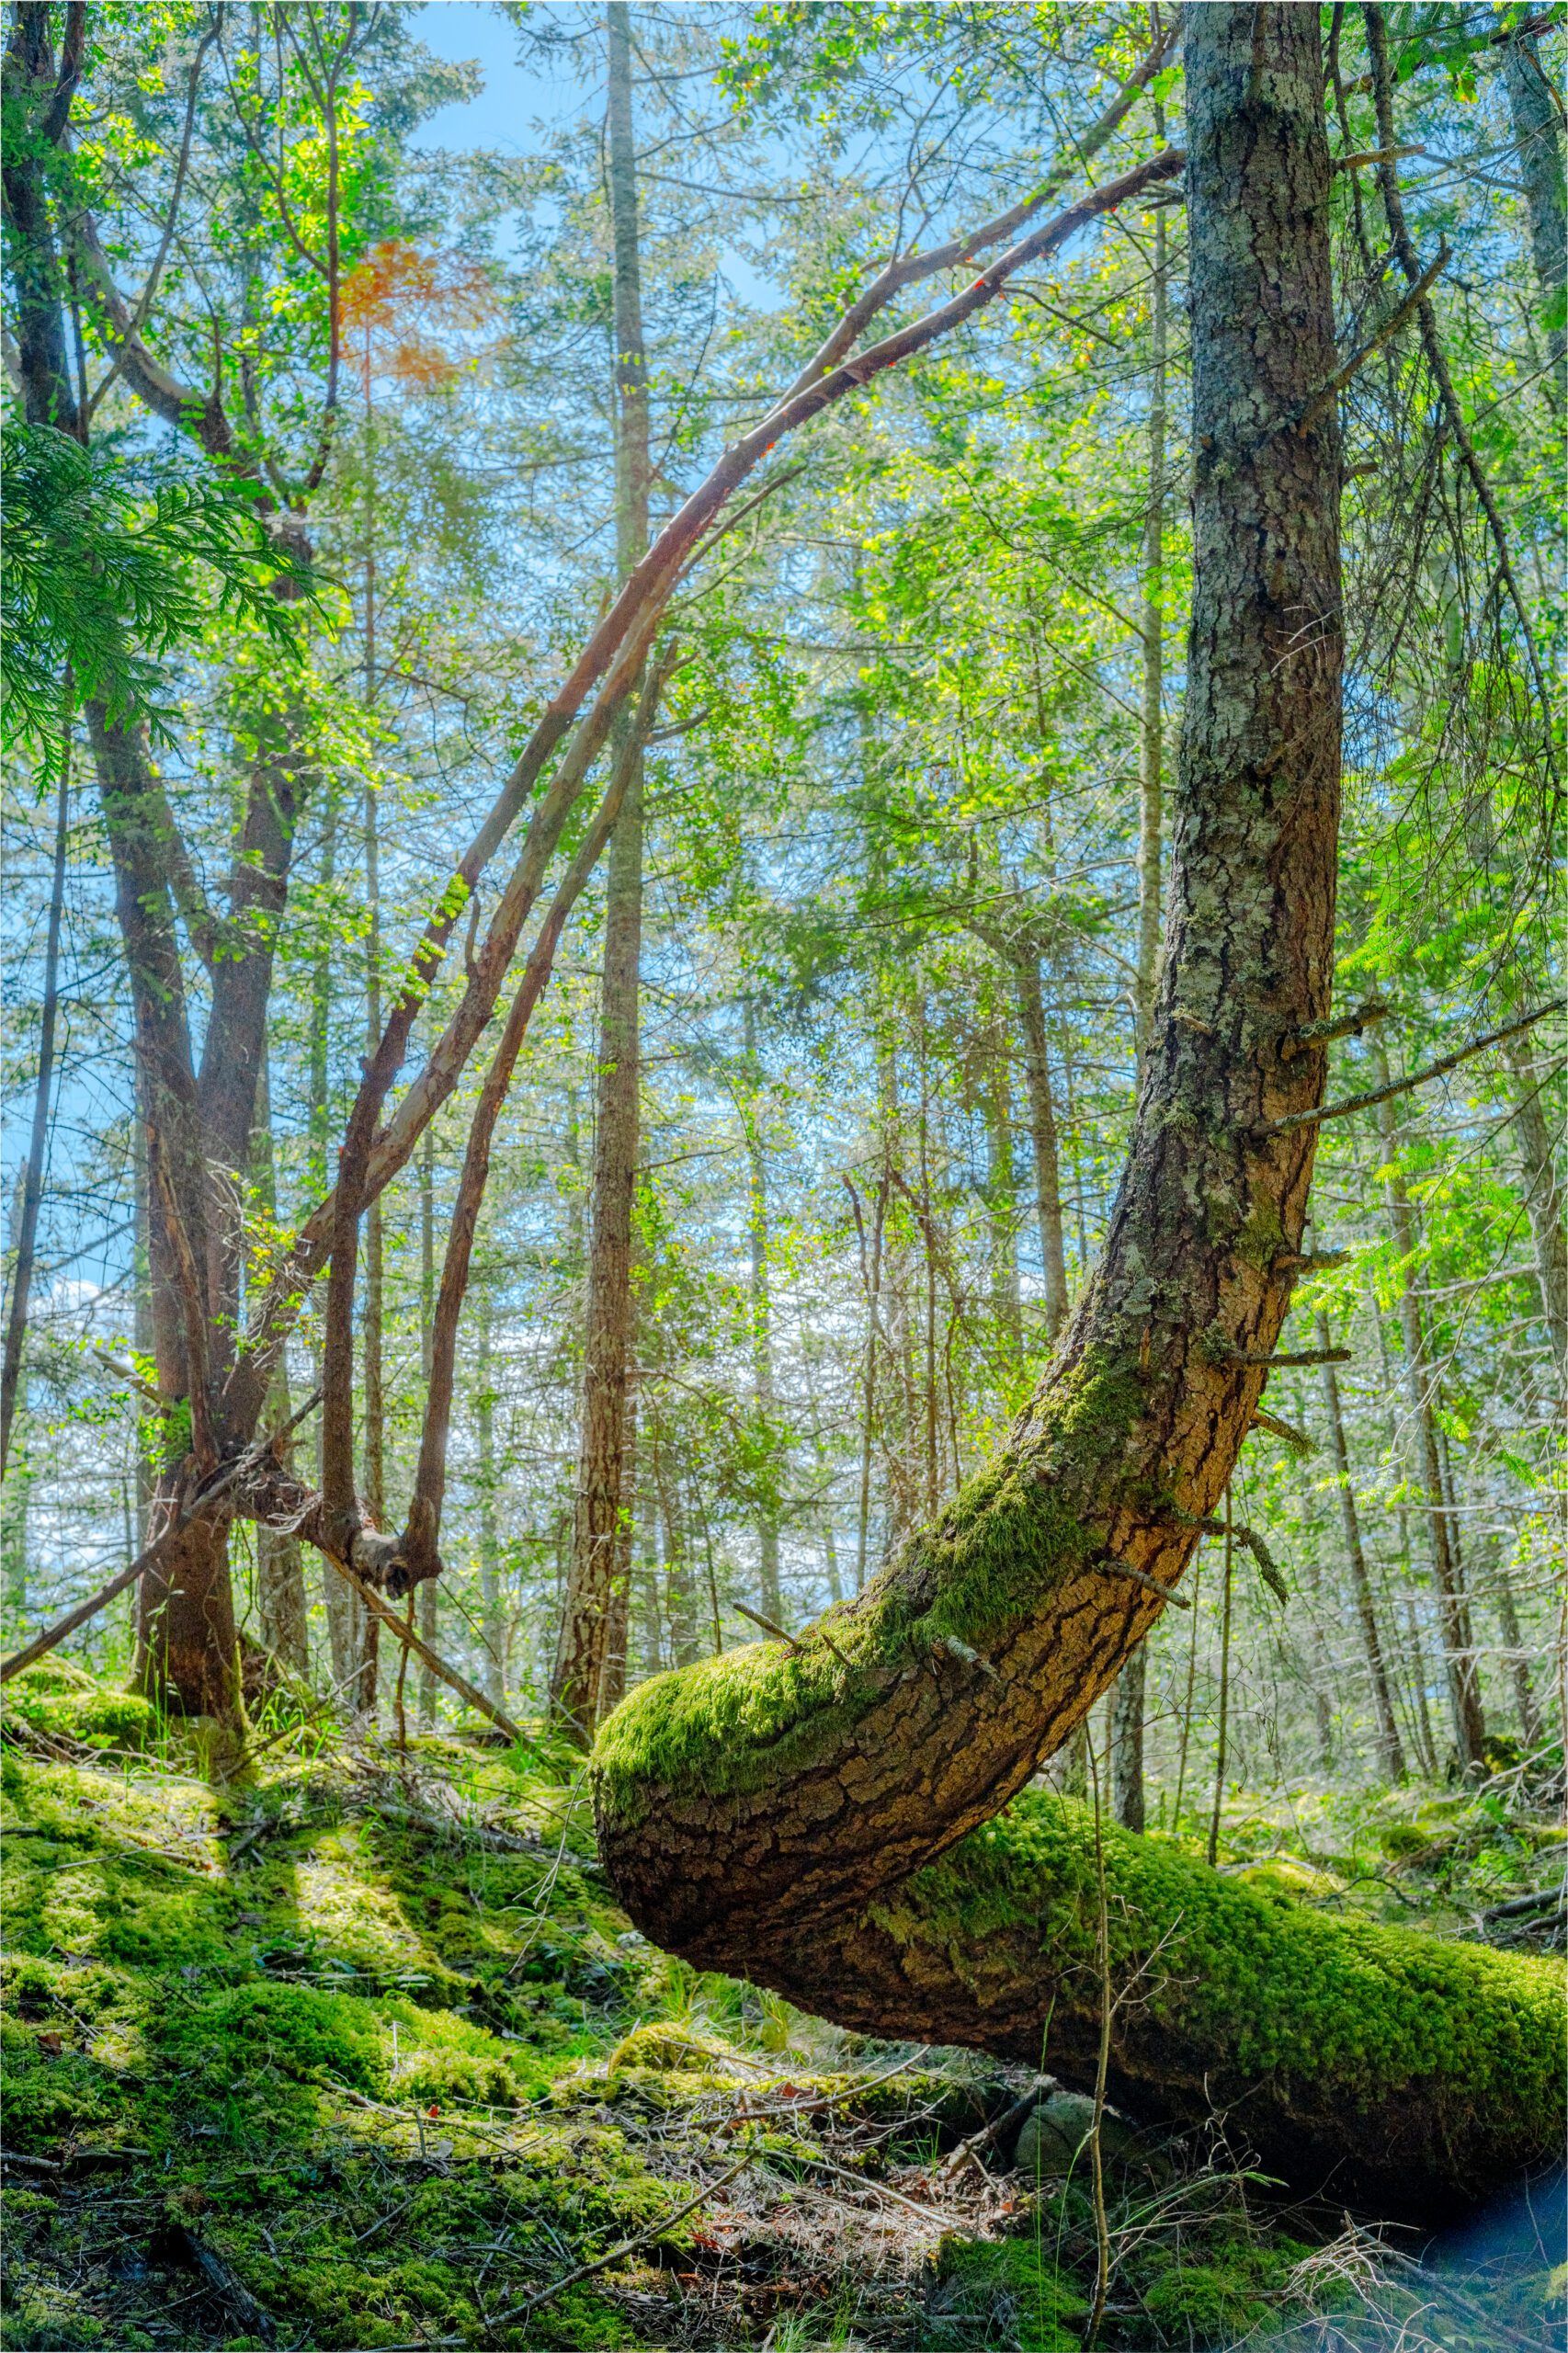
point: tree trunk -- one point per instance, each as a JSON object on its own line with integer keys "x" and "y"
{"x": 743, "y": 1804}
{"x": 772, "y": 1599}
{"x": 1127, "y": 1715}
{"x": 580, "y": 1654}
{"x": 279, "y": 1566}
{"x": 1001, "y": 1192}
{"x": 1518, "y": 1662}
{"x": 493, "y": 1613}
{"x": 1453, "y": 1606}
{"x": 1151, "y": 729}
{"x": 426, "y": 1334}
{"x": 38, "y": 1142}
{"x": 1544, "y": 1203}
{"x": 1042, "y": 1133}
{"x": 1539, "y": 138}
{"x": 185, "y": 1629}
{"x": 1376, "y": 1669}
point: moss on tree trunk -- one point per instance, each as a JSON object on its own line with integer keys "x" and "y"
{"x": 781, "y": 1812}
{"x": 1409, "y": 2074}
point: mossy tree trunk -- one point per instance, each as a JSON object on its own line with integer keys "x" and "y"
{"x": 813, "y": 1818}
{"x": 771, "y": 1787}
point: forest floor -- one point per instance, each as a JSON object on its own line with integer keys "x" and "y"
{"x": 357, "y": 2051}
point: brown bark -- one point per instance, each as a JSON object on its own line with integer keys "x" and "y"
{"x": 1376, "y": 1669}
{"x": 279, "y": 1568}
{"x": 599, "y": 1538}
{"x": 184, "y": 1629}
{"x": 607, "y": 1338}
{"x": 977, "y": 1651}
{"x": 1410, "y": 2074}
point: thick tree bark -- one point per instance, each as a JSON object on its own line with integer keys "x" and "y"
{"x": 767, "y": 1792}
{"x": 580, "y": 1656}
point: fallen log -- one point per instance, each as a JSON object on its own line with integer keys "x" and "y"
{"x": 1409, "y": 2075}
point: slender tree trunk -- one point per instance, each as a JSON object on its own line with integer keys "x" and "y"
{"x": 761, "y": 1318}
{"x": 618, "y": 1624}
{"x": 1458, "y": 1641}
{"x": 1518, "y": 1661}
{"x": 580, "y": 1654}
{"x": 1001, "y": 1192}
{"x": 279, "y": 1564}
{"x": 343, "y": 1610}
{"x": 1127, "y": 1710}
{"x": 493, "y": 1612}
{"x": 1042, "y": 1133}
{"x": 367, "y": 1629}
{"x": 44, "y": 1086}
{"x": 1544, "y": 1200}
{"x": 868, "y": 1384}
{"x": 1376, "y": 1669}
{"x": 427, "y": 1335}
{"x": 1538, "y": 135}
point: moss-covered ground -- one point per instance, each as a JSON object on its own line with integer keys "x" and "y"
{"x": 357, "y": 2051}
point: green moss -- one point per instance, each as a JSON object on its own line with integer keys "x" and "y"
{"x": 1348, "y": 2007}
{"x": 54, "y": 1697}
{"x": 731, "y": 1725}
{"x": 1239, "y": 2285}
{"x": 1011, "y": 2290}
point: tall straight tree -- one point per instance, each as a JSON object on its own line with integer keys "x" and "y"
{"x": 607, "y": 1342}
{"x": 1422, "y": 1381}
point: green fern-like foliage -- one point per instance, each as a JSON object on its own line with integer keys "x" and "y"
{"x": 109, "y": 568}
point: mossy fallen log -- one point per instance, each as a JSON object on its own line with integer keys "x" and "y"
{"x": 1407, "y": 2074}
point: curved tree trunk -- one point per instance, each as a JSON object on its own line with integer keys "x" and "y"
{"x": 768, "y": 1786}
{"x": 798, "y": 1815}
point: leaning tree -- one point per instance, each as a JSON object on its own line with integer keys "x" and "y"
{"x": 811, "y": 1815}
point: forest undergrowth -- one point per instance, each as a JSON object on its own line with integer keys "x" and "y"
{"x": 356, "y": 2049}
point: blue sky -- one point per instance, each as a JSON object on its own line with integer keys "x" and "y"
{"x": 514, "y": 96}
